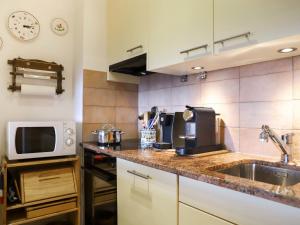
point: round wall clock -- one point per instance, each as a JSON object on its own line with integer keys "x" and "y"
{"x": 23, "y": 25}
{"x": 59, "y": 26}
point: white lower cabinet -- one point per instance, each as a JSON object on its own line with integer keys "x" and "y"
{"x": 233, "y": 206}
{"x": 146, "y": 196}
{"x": 191, "y": 216}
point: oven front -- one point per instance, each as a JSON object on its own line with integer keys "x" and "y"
{"x": 100, "y": 189}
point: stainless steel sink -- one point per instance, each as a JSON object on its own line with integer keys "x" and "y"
{"x": 264, "y": 173}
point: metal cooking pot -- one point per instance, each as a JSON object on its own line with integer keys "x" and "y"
{"x": 108, "y": 135}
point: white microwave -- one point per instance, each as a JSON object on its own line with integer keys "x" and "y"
{"x": 31, "y": 139}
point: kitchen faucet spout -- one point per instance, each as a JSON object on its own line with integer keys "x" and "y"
{"x": 282, "y": 143}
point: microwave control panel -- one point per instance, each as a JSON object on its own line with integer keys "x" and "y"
{"x": 69, "y": 136}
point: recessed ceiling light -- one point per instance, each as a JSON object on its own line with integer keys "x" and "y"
{"x": 287, "y": 50}
{"x": 197, "y": 68}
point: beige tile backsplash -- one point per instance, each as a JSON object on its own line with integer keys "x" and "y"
{"x": 296, "y": 83}
{"x": 227, "y": 111}
{"x": 225, "y": 91}
{"x": 246, "y": 97}
{"x": 231, "y": 138}
{"x": 125, "y": 98}
{"x": 272, "y": 87}
{"x": 225, "y": 74}
{"x": 99, "y": 97}
{"x": 99, "y": 114}
{"x": 296, "y": 62}
{"x": 126, "y": 115}
{"x": 277, "y": 114}
{"x": 108, "y": 102}
{"x": 270, "y": 67}
{"x": 296, "y": 114}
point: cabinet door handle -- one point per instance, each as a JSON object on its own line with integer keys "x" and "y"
{"x": 132, "y": 49}
{"x": 193, "y": 49}
{"x": 246, "y": 35}
{"x": 133, "y": 172}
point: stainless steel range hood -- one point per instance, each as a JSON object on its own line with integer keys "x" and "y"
{"x": 136, "y": 66}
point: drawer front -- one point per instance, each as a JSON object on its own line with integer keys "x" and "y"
{"x": 45, "y": 184}
{"x": 46, "y": 209}
{"x": 234, "y": 206}
{"x": 192, "y": 216}
{"x": 146, "y": 196}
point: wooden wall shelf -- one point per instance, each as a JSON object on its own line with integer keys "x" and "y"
{"x": 15, "y": 213}
{"x": 53, "y": 70}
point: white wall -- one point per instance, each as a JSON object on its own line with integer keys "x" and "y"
{"x": 94, "y": 35}
{"x": 48, "y": 47}
{"x": 83, "y": 47}
{"x": 78, "y": 78}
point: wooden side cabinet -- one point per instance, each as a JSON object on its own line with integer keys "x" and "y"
{"x": 45, "y": 189}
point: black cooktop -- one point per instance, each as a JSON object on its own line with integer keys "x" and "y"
{"x": 125, "y": 145}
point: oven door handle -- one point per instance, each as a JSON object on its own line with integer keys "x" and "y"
{"x": 102, "y": 174}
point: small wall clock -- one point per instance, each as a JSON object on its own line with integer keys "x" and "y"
{"x": 59, "y": 26}
{"x": 23, "y": 25}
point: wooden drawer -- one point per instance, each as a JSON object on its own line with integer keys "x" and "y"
{"x": 50, "y": 208}
{"x": 43, "y": 184}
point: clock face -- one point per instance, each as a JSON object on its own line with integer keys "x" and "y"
{"x": 23, "y": 25}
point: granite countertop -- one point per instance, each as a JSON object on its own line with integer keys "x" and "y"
{"x": 201, "y": 167}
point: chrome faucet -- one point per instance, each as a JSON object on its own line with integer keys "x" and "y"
{"x": 282, "y": 143}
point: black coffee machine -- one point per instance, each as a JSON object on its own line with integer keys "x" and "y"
{"x": 199, "y": 131}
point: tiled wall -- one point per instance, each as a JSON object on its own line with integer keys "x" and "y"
{"x": 246, "y": 97}
{"x": 108, "y": 102}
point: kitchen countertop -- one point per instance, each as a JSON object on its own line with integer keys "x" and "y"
{"x": 201, "y": 167}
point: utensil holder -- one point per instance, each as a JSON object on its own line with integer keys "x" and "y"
{"x": 148, "y": 137}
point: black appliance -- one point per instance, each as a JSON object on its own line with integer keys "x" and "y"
{"x": 136, "y": 66}
{"x": 166, "y": 126}
{"x": 166, "y": 122}
{"x": 100, "y": 189}
{"x": 199, "y": 131}
{"x": 100, "y": 183}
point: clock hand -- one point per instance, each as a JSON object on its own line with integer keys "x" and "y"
{"x": 27, "y": 26}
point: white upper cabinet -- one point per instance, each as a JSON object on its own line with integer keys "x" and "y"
{"x": 265, "y": 20}
{"x": 179, "y": 31}
{"x": 127, "y": 29}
